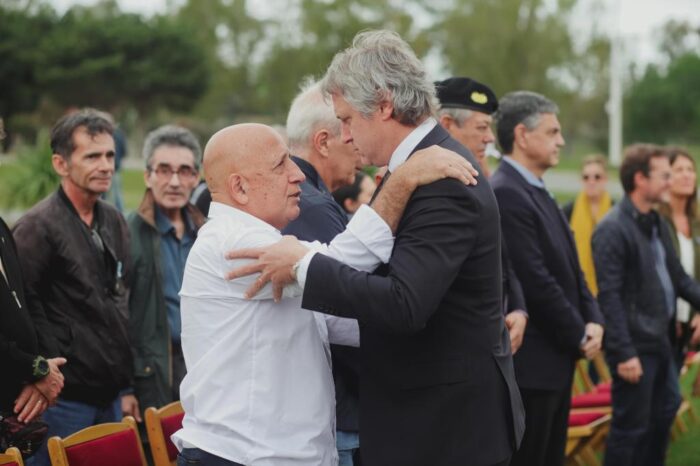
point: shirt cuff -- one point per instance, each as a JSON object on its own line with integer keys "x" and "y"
{"x": 372, "y": 231}
{"x": 303, "y": 268}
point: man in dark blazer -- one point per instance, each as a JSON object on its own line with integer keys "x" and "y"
{"x": 466, "y": 112}
{"x": 437, "y": 385}
{"x": 565, "y": 322}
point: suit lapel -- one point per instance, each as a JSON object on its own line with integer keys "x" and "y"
{"x": 436, "y": 136}
{"x": 559, "y": 219}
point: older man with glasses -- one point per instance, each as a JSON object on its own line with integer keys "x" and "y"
{"x": 163, "y": 230}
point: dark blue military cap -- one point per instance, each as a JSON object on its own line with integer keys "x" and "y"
{"x": 466, "y": 93}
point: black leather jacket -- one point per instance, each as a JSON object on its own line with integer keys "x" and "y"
{"x": 630, "y": 292}
{"x": 76, "y": 294}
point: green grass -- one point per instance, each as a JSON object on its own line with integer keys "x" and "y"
{"x": 685, "y": 451}
{"x": 133, "y": 187}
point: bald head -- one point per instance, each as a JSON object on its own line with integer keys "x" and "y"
{"x": 248, "y": 166}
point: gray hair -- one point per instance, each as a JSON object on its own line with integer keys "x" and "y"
{"x": 310, "y": 112}
{"x": 460, "y": 115}
{"x": 520, "y": 107}
{"x": 378, "y": 66}
{"x": 171, "y": 135}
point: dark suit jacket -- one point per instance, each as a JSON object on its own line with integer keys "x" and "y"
{"x": 437, "y": 385}
{"x": 322, "y": 219}
{"x": 544, "y": 258}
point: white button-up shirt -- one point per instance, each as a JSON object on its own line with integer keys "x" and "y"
{"x": 259, "y": 388}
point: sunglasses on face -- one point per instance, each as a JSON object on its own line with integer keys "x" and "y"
{"x": 595, "y": 177}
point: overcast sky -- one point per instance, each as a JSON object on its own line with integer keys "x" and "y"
{"x": 636, "y": 20}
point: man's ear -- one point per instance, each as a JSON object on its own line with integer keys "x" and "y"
{"x": 520, "y": 134}
{"x": 146, "y": 178}
{"x": 320, "y": 142}
{"x": 238, "y": 188}
{"x": 446, "y": 121}
{"x": 60, "y": 164}
{"x": 386, "y": 109}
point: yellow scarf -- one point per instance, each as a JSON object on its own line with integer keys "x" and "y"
{"x": 583, "y": 224}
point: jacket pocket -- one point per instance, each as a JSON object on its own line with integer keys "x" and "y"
{"x": 435, "y": 373}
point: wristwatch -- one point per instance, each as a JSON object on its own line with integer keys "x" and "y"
{"x": 40, "y": 367}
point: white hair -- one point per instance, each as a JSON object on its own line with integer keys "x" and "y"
{"x": 310, "y": 112}
{"x": 460, "y": 115}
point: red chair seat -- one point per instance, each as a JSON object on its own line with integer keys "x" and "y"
{"x": 604, "y": 387}
{"x": 170, "y": 425}
{"x": 103, "y": 451}
{"x": 591, "y": 400}
{"x": 582, "y": 419}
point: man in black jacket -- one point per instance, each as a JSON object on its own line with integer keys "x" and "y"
{"x": 436, "y": 385}
{"x": 73, "y": 249}
{"x": 639, "y": 278}
{"x": 32, "y": 381}
{"x": 564, "y": 319}
{"x": 466, "y": 109}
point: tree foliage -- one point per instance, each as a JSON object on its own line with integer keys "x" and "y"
{"x": 663, "y": 105}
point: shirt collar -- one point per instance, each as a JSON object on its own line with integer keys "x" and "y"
{"x": 525, "y": 173}
{"x": 165, "y": 226}
{"x": 217, "y": 209}
{"x": 409, "y": 144}
{"x": 310, "y": 173}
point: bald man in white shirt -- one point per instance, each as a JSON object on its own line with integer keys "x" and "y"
{"x": 259, "y": 389}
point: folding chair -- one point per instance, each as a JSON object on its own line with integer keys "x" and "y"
{"x": 586, "y": 433}
{"x": 160, "y": 425}
{"x": 108, "y": 444}
{"x": 11, "y": 457}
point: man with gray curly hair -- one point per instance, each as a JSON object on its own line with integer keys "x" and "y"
{"x": 437, "y": 385}
{"x": 162, "y": 232}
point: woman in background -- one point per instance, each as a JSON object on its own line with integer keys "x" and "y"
{"x": 584, "y": 213}
{"x": 681, "y": 213}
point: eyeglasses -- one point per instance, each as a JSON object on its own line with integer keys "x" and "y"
{"x": 165, "y": 172}
{"x": 596, "y": 177}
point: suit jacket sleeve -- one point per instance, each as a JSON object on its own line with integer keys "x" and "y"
{"x": 609, "y": 254}
{"x": 548, "y": 305}
{"x": 436, "y": 234}
{"x": 513, "y": 290}
{"x": 34, "y": 250}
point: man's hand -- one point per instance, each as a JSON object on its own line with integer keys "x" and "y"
{"x": 130, "y": 407}
{"x": 274, "y": 263}
{"x": 695, "y": 325}
{"x": 516, "y": 323}
{"x": 630, "y": 370}
{"x": 594, "y": 340}
{"x": 435, "y": 163}
{"x": 30, "y": 403}
{"x": 51, "y": 385}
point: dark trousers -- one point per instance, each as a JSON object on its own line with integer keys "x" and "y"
{"x": 546, "y": 423}
{"x": 192, "y": 456}
{"x": 643, "y": 414}
{"x": 179, "y": 370}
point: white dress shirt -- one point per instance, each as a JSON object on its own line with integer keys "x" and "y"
{"x": 686, "y": 254}
{"x": 259, "y": 389}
